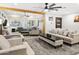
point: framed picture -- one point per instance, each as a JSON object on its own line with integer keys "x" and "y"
{"x": 50, "y": 18}
{"x": 76, "y": 19}
{"x": 58, "y": 22}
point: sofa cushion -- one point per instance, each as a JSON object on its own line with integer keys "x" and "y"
{"x": 56, "y": 31}
{"x": 70, "y": 34}
{"x": 4, "y": 43}
{"x": 61, "y": 32}
{"x": 66, "y": 33}
{"x": 52, "y": 31}
{"x": 75, "y": 31}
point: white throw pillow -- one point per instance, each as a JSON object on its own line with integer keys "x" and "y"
{"x": 56, "y": 31}
{"x": 53, "y": 31}
{"x": 65, "y": 33}
{"x": 59, "y": 31}
{"x": 70, "y": 35}
{"x": 4, "y": 43}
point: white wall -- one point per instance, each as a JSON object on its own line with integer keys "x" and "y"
{"x": 68, "y": 22}
{"x": 50, "y": 24}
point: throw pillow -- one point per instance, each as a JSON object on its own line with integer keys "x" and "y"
{"x": 61, "y": 32}
{"x": 65, "y": 33}
{"x": 70, "y": 35}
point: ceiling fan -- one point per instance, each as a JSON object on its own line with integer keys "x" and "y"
{"x": 52, "y": 7}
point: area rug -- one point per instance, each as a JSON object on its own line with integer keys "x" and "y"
{"x": 42, "y": 48}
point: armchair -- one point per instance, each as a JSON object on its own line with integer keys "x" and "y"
{"x": 15, "y": 36}
{"x": 20, "y": 49}
{"x": 15, "y": 50}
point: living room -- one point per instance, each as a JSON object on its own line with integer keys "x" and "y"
{"x": 41, "y": 28}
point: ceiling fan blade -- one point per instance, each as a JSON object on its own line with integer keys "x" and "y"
{"x": 57, "y": 7}
{"x": 52, "y": 5}
{"x": 54, "y": 9}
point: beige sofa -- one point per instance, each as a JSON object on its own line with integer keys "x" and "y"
{"x": 9, "y": 48}
{"x": 34, "y": 32}
{"x": 68, "y": 36}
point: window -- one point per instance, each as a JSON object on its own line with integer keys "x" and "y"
{"x": 0, "y": 21}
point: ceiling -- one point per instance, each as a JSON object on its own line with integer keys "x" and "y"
{"x": 69, "y": 7}
{"x": 26, "y": 6}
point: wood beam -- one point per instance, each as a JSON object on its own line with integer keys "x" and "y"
{"x": 44, "y": 22}
{"x": 21, "y": 10}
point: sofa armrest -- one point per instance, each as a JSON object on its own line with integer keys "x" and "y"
{"x": 76, "y": 37}
{"x": 76, "y": 34}
{"x": 29, "y": 49}
{"x": 20, "y": 49}
{"x": 14, "y": 34}
{"x": 22, "y": 36}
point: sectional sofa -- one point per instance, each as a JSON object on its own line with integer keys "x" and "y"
{"x": 69, "y": 37}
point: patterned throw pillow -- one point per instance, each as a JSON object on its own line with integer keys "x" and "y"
{"x": 53, "y": 31}
{"x": 66, "y": 33}
{"x": 61, "y": 32}
{"x": 56, "y": 31}
{"x": 70, "y": 35}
